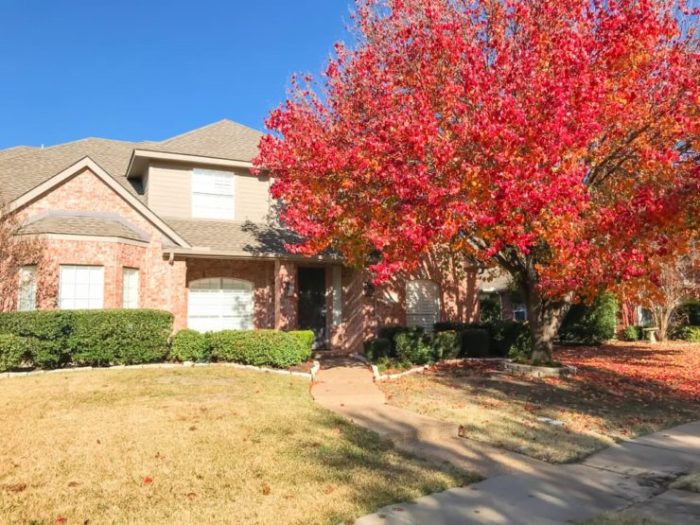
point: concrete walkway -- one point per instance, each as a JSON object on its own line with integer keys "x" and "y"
{"x": 632, "y": 475}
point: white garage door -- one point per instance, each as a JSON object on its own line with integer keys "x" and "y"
{"x": 220, "y": 304}
{"x": 422, "y": 304}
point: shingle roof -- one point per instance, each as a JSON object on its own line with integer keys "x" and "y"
{"x": 236, "y": 238}
{"x": 224, "y": 139}
{"x": 23, "y": 168}
{"x": 93, "y": 226}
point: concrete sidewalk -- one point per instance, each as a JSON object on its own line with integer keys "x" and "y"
{"x": 632, "y": 475}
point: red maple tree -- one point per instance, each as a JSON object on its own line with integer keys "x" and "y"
{"x": 557, "y": 139}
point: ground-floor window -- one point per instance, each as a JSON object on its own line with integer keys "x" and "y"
{"x": 220, "y": 304}
{"x": 27, "y": 289}
{"x": 422, "y": 303}
{"x": 130, "y": 288}
{"x": 81, "y": 287}
{"x": 519, "y": 312}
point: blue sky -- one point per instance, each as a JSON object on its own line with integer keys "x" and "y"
{"x": 136, "y": 70}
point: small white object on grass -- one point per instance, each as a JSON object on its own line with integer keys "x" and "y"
{"x": 550, "y": 421}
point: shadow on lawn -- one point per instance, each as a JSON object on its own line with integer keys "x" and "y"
{"x": 599, "y": 406}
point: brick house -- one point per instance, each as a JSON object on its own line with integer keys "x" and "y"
{"x": 183, "y": 225}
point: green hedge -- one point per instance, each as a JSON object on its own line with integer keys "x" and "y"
{"x": 630, "y": 333}
{"x": 14, "y": 350}
{"x": 306, "y": 338}
{"x": 475, "y": 342}
{"x": 257, "y": 348}
{"x": 690, "y": 333}
{"x": 91, "y": 337}
{"x": 446, "y": 345}
{"x": 414, "y": 347}
{"x": 376, "y": 349}
{"x": 590, "y": 324}
{"x": 190, "y": 345}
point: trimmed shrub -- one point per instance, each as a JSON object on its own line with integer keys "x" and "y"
{"x": 521, "y": 349}
{"x": 391, "y": 332}
{"x": 475, "y": 342}
{"x": 451, "y": 326}
{"x": 690, "y": 333}
{"x": 13, "y": 351}
{"x": 446, "y": 345}
{"x": 590, "y": 324}
{"x": 91, "y": 337}
{"x": 631, "y": 333}
{"x": 121, "y": 337}
{"x": 376, "y": 349}
{"x": 257, "y": 348}
{"x": 414, "y": 347}
{"x": 306, "y": 338}
{"x": 504, "y": 336}
{"x": 46, "y": 332}
{"x": 190, "y": 345}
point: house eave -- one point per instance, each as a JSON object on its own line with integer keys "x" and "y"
{"x": 140, "y": 158}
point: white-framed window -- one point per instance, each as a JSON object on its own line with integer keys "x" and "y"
{"x": 218, "y": 303}
{"x": 130, "y": 288}
{"x": 81, "y": 287}
{"x": 27, "y": 289}
{"x": 519, "y": 312}
{"x": 212, "y": 194}
{"x": 422, "y": 304}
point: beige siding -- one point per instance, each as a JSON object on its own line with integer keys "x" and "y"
{"x": 170, "y": 191}
{"x": 252, "y": 198}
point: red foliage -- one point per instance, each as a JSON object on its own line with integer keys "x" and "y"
{"x": 660, "y": 371}
{"x": 554, "y": 136}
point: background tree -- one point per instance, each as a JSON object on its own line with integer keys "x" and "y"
{"x": 556, "y": 139}
{"x": 672, "y": 281}
{"x": 15, "y": 252}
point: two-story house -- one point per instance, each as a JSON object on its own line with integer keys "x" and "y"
{"x": 183, "y": 225}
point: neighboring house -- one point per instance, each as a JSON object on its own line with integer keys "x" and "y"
{"x": 183, "y": 225}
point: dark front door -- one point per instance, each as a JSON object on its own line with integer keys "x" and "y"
{"x": 312, "y": 303}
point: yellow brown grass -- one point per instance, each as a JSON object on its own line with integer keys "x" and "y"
{"x": 197, "y": 445}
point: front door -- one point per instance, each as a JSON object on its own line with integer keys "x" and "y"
{"x": 312, "y": 303}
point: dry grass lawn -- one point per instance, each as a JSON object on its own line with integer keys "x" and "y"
{"x": 621, "y": 391}
{"x": 198, "y": 445}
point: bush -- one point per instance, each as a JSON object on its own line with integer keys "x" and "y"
{"x": 475, "y": 342}
{"x": 121, "y": 337}
{"x": 13, "y": 351}
{"x": 376, "y": 349}
{"x": 521, "y": 349}
{"x": 46, "y": 332}
{"x": 257, "y": 348}
{"x": 306, "y": 338}
{"x": 690, "y": 333}
{"x": 590, "y": 324}
{"x": 505, "y": 335}
{"x": 414, "y": 347}
{"x": 190, "y": 345}
{"x": 391, "y": 332}
{"x": 446, "y": 345}
{"x": 91, "y": 337}
{"x": 451, "y": 326}
{"x": 631, "y": 333}
{"x": 489, "y": 309}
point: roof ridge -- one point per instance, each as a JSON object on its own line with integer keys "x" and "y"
{"x": 185, "y": 133}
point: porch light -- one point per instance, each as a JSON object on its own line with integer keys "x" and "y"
{"x": 288, "y": 288}
{"x": 369, "y": 289}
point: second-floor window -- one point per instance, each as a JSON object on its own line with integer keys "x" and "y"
{"x": 212, "y": 194}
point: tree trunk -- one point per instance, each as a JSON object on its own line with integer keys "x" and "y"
{"x": 544, "y": 317}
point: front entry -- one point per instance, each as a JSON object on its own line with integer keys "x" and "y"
{"x": 312, "y": 303}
